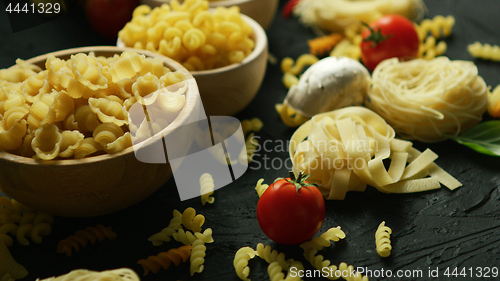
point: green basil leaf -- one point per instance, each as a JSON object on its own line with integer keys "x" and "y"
{"x": 483, "y": 138}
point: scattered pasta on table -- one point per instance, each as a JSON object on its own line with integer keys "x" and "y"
{"x": 82, "y": 237}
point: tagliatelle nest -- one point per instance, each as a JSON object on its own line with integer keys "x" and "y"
{"x": 345, "y": 150}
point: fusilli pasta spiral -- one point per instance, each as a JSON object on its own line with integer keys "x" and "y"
{"x": 164, "y": 259}
{"x": 383, "y": 240}
{"x": 484, "y": 51}
{"x": 260, "y": 187}
{"x": 82, "y": 237}
{"x": 207, "y": 188}
{"x": 8, "y": 265}
{"x": 240, "y": 262}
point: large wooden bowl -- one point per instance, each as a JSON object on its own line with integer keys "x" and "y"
{"x": 228, "y": 90}
{"x": 96, "y": 185}
{"x": 262, "y": 11}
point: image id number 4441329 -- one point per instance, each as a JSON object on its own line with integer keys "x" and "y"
{"x": 33, "y": 8}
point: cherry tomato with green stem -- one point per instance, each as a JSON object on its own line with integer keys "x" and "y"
{"x": 291, "y": 210}
{"x": 388, "y": 37}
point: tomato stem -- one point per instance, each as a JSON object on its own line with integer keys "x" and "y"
{"x": 300, "y": 181}
{"x": 375, "y": 35}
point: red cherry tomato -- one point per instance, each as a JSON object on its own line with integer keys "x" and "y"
{"x": 107, "y": 17}
{"x": 291, "y": 211}
{"x": 388, "y": 37}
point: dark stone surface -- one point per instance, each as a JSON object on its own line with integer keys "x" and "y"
{"x": 438, "y": 229}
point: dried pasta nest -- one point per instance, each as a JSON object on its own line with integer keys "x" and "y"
{"x": 347, "y": 149}
{"x": 428, "y": 100}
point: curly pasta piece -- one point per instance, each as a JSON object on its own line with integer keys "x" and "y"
{"x": 8, "y": 265}
{"x": 289, "y": 116}
{"x": 120, "y": 274}
{"x": 164, "y": 259}
{"x": 34, "y": 231}
{"x": 484, "y": 51}
{"x": 318, "y": 243}
{"x": 191, "y": 220}
{"x": 429, "y": 48}
{"x": 289, "y": 80}
{"x": 165, "y": 234}
{"x": 254, "y": 124}
{"x": 188, "y": 238}
{"x": 247, "y": 153}
{"x": 324, "y": 44}
{"x": 197, "y": 258}
{"x": 383, "y": 240}
{"x": 260, "y": 188}
{"x": 347, "y": 48}
{"x": 207, "y": 188}
{"x": 82, "y": 237}
{"x": 296, "y": 67}
{"x": 277, "y": 263}
{"x": 439, "y": 26}
{"x": 348, "y": 273}
{"x": 240, "y": 262}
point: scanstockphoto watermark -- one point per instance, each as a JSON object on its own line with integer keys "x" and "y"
{"x": 337, "y": 150}
{"x": 350, "y": 273}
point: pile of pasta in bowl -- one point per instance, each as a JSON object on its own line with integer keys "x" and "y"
{"x": 224, "y": 50}
{"x": 79, "y": 107}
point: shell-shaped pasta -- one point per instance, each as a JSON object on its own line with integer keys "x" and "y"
{"x": 36, "y": 86}
{"x": 13, "y": 138}
{"x": 47, "y": 142}
{"x": 70, "y": 142}
{"x": 14, "y": 99}
{"x": 154, "y": 66}
{"x": 109, "y": 111}
{"x": 119, "y": 144}
{"x": 53, "y": 64}
{"x": 16, "y": 75}
{"x": 171, "y": 103}
{"x": 75, "y": 88}
{"x": 126, "y": 66}
{"x": 50, "y": 108}
{"x": 13, "y": 116}
{"x": 144, "y": 89}
{"x": 86, "y": 119}
{"x": 125, "y": 88}
{"x": 87, "y": 71}
{"x": 106, "y": 133}
{"x": 172, "y": 78}
{"x": 87, "y": 147}
{"x": 40, "y": 109}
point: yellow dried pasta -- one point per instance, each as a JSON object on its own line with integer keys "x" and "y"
{"x": 80, "y": 94}
{"x": 190, "y": 34}
{"x": 383, "y": 240}
{"x": 484, "y": 51}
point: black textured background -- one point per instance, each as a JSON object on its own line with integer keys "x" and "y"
{"x": 436, "y": 229}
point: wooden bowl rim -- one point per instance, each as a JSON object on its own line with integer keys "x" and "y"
{"x": 260, "y": 45}
{"x": 181, "y": 118}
